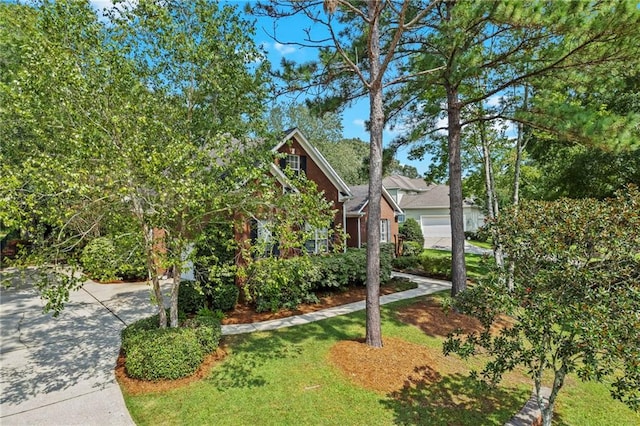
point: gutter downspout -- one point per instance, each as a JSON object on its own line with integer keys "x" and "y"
{"x": 359, "y": 237}
{"x": 344, "y": 227}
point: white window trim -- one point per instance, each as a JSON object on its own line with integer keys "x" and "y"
{"x": 293, "y": 161}
{"x": 384, "y": 230}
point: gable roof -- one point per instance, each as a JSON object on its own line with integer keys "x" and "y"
{"x": 435, "y": 196}
{"x": 318, "y": 159}
{"x": 405, "y": 183}
{"x": 356, "y": 205}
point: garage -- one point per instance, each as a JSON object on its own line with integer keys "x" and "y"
{"x": 436, "y": 226}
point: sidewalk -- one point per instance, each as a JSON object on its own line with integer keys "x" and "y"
{"x": 425, "y": 286}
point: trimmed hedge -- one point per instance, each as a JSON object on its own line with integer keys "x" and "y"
{"x": 153, "y": 353}
{"x": 406, "y": 262}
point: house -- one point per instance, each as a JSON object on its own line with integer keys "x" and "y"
{"x": 350, "y": 203}
{"x": 357, "y": 211}
{"x": 429, "y": 205}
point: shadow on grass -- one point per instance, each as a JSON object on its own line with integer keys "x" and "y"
{"x": 252, "y": 351}
{"x": 455, "y": 399}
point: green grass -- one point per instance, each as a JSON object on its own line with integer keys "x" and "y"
{"x": 283, "y": 378}
{"x": 481, "y": 244}
{"x": 477, "y": 264}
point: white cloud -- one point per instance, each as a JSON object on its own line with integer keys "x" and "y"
{"x": 284, "y": 49}
{"x": 360, "y": 123}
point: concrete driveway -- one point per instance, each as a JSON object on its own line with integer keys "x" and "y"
{"x": 444, "y": 243}
{"x": 59, "y": 371}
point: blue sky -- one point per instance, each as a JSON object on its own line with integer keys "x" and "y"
{"x": 353, "y": 118}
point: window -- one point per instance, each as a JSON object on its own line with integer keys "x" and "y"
{"x": 293, "y": 161}
{"x": 401, "y": 218}
{"x": 319, "y": 241}
{"x": 384, "y": 230}
{"x": 263, "y": 234}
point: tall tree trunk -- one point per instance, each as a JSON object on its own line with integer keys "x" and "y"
{"x": 152, "y": 269}
{"x": 152, "y": 260}
{"x": 520, "y": 143}
{"x": 492, "y": 198}
{"x": 373, "y": 326}
{"x": 173, "y": 313}
{"x": 458, "y": 266}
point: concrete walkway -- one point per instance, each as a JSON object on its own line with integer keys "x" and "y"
{"x": 59, "y": 371}
{"x": 425, "y": 286}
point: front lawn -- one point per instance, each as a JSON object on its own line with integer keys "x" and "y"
{"x": 290, "y": 377}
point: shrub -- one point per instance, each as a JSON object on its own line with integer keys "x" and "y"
{"x": 331, "y": 271}
{"x": 275, "y": 283}
{"x": 410, "y": 230}
{"x": 113, "y": 258}
{"x": 437, "y": 266}
{"x": 224, "y": 297}
{"x": 406, "y": 262}
{"x": 99, "y": 259}
{"x": 132, "y": 332}
{"x": 153, "y": 353}
{"x": 340, "y": 270}
{"x": 191, "y": 298}
{"x": 411, "y": 248}
{"x": 387, "y": 252}
{"x": 164, "y": 354}
{"x": 208, "y": 331}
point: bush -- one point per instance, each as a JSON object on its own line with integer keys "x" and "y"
{"x": 99, "y": 259}
{"x": 406, "y": 262}
{"x": 410, "y": 230}
{"x": 411, "y": 248}
{"x": 191, "y": 298}
{"x": 164, "y": 354}
{"x": 437, "y": 266}
{"x": 153, "y": 353}
{"x": 224, "y": 297}
{"x": 274, "y": 283}
{"x": 208, "y": 331}
{"x": 387, "y": 252}
{"x": 341, "y": 270}
{"x": 109, "y": 259}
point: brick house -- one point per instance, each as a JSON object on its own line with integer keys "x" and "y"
{"x": 299, "y": 154}
{"x": 350, "y": 202}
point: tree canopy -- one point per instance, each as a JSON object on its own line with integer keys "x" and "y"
{"x": 575, "y": 297}
{"x": 153, "y": 118}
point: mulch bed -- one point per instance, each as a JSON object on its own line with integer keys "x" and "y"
{"x": 383, "y": 369}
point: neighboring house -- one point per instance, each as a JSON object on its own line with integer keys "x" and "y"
{"x": 357, "y": 211}
{"x": 429, "y": 205}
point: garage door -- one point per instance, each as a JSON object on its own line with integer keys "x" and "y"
{"x": 436, "y": 226}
